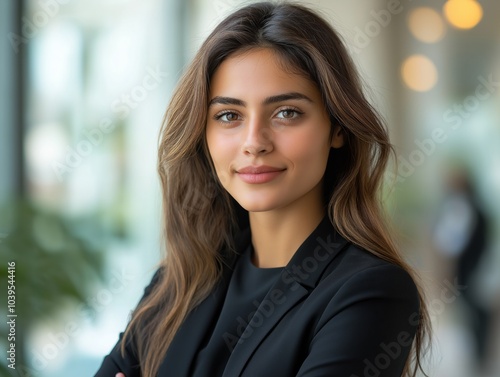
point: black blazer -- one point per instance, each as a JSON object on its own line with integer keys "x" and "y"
{"x": 336, "y": 310}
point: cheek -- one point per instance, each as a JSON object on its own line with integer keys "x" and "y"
{"x": 219, "y": 148}
{"x": 214, "y": 146}
{"x": 307, "y": 150}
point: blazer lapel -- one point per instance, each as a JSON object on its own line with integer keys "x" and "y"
{"x": 298, "y": 278}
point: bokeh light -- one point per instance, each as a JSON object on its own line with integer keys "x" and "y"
{"x": 419, "y": 73}
{"x": 426, "y": 25}
{"x": 463, "y": 14}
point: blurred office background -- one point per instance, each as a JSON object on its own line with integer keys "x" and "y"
{"x": 83, "y": 88}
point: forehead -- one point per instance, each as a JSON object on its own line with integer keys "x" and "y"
{"x": 258, "y": 70}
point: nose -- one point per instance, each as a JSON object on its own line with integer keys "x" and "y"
{"x": 258, "y": 139}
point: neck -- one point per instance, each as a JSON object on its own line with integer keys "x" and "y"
{"x": 277, "y": 234}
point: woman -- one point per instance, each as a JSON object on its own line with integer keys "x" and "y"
{"x": 278, "y": 262}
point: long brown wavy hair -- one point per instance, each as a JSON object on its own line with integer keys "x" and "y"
{"x": 200, "y": 219}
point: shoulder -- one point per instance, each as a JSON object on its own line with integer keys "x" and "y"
{"x": 358, "y": 275}
{"x": 364, "y": 309}
{"x": 358, "y": 263}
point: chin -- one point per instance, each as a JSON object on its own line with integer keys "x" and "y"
{"x": 257, "y": 208}
{"x": 258, "y": 205}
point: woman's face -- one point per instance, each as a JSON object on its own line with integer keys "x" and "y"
{"x": 268, "y": 133}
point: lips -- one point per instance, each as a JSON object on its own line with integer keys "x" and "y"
{"x": 259, "y": 174}
{"x": 258, "y": 169}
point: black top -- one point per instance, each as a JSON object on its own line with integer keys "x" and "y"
{"x": 247, "y": 288}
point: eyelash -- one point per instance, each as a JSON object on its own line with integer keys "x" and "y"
{"x": 219, "y": 115}
{"x": 298, "y": 113}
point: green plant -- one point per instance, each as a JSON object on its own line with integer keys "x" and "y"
{"x": 56, "y": 259}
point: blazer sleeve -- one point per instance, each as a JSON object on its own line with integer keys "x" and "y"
{"x": 368, "y": 327}
{"x": 114, "y": 362}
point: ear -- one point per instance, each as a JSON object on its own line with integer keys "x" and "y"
{"x": 337, "y": 137}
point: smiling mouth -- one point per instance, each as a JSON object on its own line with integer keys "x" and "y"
{"x": 259, "y": 174}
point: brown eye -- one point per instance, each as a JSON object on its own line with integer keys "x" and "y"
{"x": 231, "y": 116}
{"x": 227, "y": 117}
{"x": 288, "y": 114}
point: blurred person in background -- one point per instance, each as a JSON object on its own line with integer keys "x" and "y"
{"x": 461, "y": 238}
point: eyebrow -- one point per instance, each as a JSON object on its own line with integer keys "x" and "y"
{"x": 267, "y": 101}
